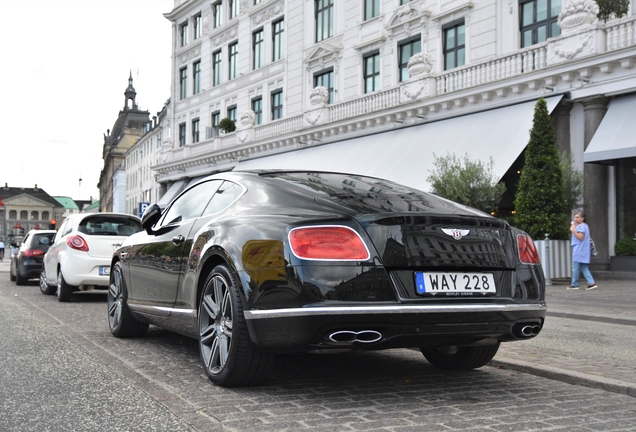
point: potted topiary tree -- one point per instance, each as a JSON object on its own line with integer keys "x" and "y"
{"x": 541, "y": 206}
{"x": 226, "y": 125}
{"x": 625, "y": 258}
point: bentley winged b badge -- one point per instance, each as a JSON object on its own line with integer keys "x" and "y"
{"x": 455, "y": 233}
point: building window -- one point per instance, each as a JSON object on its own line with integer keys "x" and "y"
{"x": 257, "y": 2}
{"x": 182, "y": 134}
{"x": 216, "y": 68}
{"x": 278, "y": 36}
{"x": 35, "y": 215}
{"x": 277, "y": 104}
{"x": 257, "y": 107}
{"x": 183, "y": 32}
{"x": 325, "y": 79}
{"x": 371, "y": 9}
{"x": 214, "y": 121}
{"x": 196, "y": 77}
{"x": 406, "y": 49}
{"x": 371, "y": 72}
{"x": 195, "y": 130}
{"x": 324, "y": 19}
{"x": 13, "y": 214}
{"x": 231, "y": 112}
{"x": 403, "y": 2}
{"x": 197, "y": 26}
{"x": 258, "y": 48}
{"x": 233, "y": 59}
{"x": 217, "y": 11}
{"x": 539, "y": 20}
{"x": 159, "y": 139}
{"x": 24, "y": 215}
{"x": 183, "y": 81}
{"x": 45, "y": 215}
{"x": 454, "y": 44}
{"x": 234, "y": 8}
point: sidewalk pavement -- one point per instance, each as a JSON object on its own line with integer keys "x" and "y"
{"x": 613, "y": 302}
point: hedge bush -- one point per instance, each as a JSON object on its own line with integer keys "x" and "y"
{"x": 626, "y": 247}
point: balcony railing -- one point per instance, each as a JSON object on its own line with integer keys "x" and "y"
{"x": 620, "y": 33}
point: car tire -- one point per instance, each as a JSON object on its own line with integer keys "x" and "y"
{"x": 19, "y": 280}
{"x": 64, "y": 290}
{"x": 120, "y": 320}
{"x": 44, "y": 284}
{"x": 11, "y": 273}
{"x": 455, "y": 358}
{"x": 229, "y": 356}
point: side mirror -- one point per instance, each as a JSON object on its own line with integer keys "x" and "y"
{"x": 150, "y": 217}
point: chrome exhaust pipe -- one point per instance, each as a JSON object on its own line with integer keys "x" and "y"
{"x": 530, "y": 330}
{"x": 350, "y": 337}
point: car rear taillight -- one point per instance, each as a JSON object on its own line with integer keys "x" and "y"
{"x": 33, "y": 253}
{"x": 331, "y": 243}
{"x": 528, "y": 253}
{"x": 77, "y": 242}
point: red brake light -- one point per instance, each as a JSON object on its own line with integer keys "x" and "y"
{"x": 528, "y": 253}
{"x": 77, "y": 242}
{"x": 337, "y": 243}
{"x": 33, "y": 253}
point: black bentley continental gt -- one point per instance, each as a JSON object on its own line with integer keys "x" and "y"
{"x": 257, "y": 263}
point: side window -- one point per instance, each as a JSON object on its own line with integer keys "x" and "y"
{"x": 191, "y": 203}
{"x": 67, "y": 228}
{"x": 223, "y": 198}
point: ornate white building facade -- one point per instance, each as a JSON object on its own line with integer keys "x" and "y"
{"x": 382, "y": 86}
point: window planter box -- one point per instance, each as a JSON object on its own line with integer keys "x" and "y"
{"x": 623, "y": 263}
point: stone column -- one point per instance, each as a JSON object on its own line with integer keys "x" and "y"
{"x": 561, "y": 123}
{"x": 596, "y": 185}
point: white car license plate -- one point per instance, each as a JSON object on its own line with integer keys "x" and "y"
{"x": 455, "y": 284}
{"x": 104, "y": 271}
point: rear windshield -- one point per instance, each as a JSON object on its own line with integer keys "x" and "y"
{"x": 42, "y": 240}
{"x": 109, "y": 225}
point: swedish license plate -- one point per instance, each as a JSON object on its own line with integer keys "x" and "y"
{"x": 104, "y": 271}
{"x": 455, "y": 284}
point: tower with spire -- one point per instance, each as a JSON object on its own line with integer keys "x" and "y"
{"x": 130, "y": 125}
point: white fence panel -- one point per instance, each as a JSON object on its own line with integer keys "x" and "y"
{"x": 556, "y": 258}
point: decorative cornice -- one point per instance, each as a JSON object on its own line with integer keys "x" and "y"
{"x": 268, "y": 13}
{"x": 225, "y": 35}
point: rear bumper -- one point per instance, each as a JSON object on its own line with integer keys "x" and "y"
{"x": 400, "y": 326}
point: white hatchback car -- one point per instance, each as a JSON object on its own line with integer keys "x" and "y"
{"x": 79, "y": 258}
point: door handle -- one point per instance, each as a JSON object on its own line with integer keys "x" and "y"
{"x": 178, "y": 240}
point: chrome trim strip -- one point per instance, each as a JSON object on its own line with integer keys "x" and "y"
{"x": 401, "y": 309}
{"x": 165, "y": 310}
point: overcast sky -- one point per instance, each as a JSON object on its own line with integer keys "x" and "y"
{"x": 65, "y": 67}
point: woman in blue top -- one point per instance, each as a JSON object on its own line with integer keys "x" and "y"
{"x": 580, "y": 252}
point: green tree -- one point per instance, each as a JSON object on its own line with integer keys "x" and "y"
{"x": 541, "y": 206}
{"x": 573, "y": 181}
{"x": 472, "y": 183}
{"x": 609, "y": 9}
{"x": 227, "y": 125}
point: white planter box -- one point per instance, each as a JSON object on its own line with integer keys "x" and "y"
{"x": 556, "y": 258}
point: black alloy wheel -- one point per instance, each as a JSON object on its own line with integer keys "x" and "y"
{"x": 229, "y": 356}
{"x": 458, "y": 358}
{"x": 121, "y": 322}
{"x": 64, "y": 290}
{"x": 44, "y": 285}
{"x": 19, "y": 280}
{"x": 12, "y": 272}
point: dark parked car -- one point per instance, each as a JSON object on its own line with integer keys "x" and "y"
{"x": 27, "y": 262}
{"x": 257, "y": 263}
